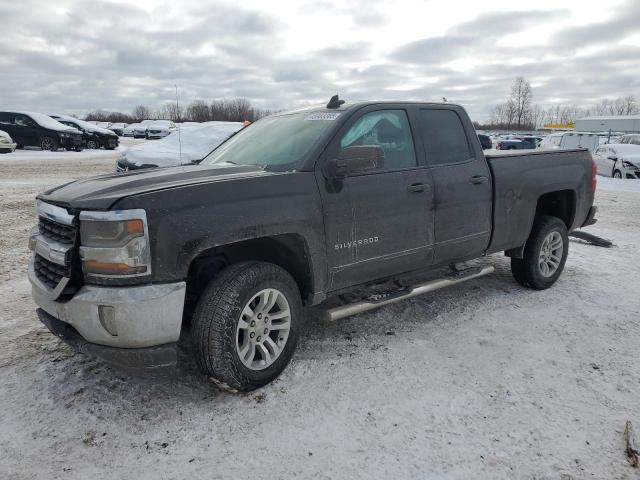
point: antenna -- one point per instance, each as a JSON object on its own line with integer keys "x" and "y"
{"x": 179, "y": 126}
{"x": 335, "y": 102}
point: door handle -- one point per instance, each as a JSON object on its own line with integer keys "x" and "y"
{"x": 477, "y": 179}
{"x": 418, "y": 187}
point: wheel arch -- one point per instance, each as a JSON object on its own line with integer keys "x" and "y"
{"x": 289, "y": 251}
{"x": 558, "y": 203}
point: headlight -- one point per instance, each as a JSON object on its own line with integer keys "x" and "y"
{"x": 63, "y": 135}
{"x": 114, "y": 244}
{"x": 4, "y": 140}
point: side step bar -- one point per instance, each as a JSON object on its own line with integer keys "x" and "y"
{"x": 344, "y": 311}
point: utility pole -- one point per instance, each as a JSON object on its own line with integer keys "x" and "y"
{"x": 177, "y": 105}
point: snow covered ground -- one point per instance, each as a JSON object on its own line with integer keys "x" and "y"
{"x": 483, "y": 380}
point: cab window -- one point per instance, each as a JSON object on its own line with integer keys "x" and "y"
{"x": 444, "y": 136}
{"x": 390, "y": 130}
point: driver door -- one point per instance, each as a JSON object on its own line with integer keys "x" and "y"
{"x": 377, "y": 223}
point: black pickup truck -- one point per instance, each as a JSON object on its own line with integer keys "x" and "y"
{"x": 343, "y": 206}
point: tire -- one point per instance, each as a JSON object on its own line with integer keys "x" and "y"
{"x": 78, "y": 149}
{"x": 529, "y": 271}
{"x": 617, "y": 174}
{"x": 218, "y": 336}
{"x": 49, "y": 143}
{"x": 92, "y": 144}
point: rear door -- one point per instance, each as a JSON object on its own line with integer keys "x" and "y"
{"x": 378, "y": 223}
{"x": 462, "y": 184}
{"x": 27, "y": 130}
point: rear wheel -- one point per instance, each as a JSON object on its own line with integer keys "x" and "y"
{"x": 92, "y": 144}
{"x": 49, "y": 143}
{"x": 617, "y": 174}
{"x": 544, "y": 256}
{"x": 246, "y": 325}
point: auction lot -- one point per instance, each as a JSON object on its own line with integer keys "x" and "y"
{"x": 486, "y": 379}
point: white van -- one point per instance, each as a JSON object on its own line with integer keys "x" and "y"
{"x": 570, "y": 140}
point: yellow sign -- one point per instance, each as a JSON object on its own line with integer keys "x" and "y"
{"x": 560, "y": 125}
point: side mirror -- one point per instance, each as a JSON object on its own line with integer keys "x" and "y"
{"x": 612, "y": 157}
{"x": 356, "y": 159}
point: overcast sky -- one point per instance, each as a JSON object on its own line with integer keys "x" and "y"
{"x": 71, "y": 56}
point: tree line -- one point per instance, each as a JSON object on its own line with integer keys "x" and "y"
{"x": 519, "y": 112}
{"x": 226, "y": 110}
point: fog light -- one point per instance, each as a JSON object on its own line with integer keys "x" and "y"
{"x": 107, "y": 317}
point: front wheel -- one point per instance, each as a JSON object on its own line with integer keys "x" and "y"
{"x": 49, "y": 143}
{"x": 246, "y": 325}
{"x": 617, "y": 174}
{"x": 544, "y": 255}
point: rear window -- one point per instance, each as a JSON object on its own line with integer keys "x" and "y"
{"x": 6, "y": 118}
{"x": 444, "y": 137}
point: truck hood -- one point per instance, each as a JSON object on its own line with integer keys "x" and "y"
{"x": 100, "y": 193}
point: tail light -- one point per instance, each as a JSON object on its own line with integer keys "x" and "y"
{"x": 594, "y": 171}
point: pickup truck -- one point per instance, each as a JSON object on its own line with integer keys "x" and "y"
{"x": 342, "y": 207}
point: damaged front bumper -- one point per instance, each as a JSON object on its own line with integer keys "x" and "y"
{"x": 135, "y": 327}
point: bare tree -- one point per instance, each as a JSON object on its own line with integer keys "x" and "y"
{"x": 630, "y": 105}
{"x": 170, "y": 111}
{"x": 198, "y": 111}
{"x": 141, "y": 112}
{"x": 521, "y": 100}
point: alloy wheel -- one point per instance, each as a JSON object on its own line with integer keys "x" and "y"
{"x": 47, "y": 144}
{"x": 263, "y": 329}
{"x": 550, "y": 254}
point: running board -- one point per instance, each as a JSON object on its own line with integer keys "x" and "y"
{"x": 344, "y": 311}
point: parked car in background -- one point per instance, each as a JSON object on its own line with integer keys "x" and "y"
{"x": 7, "y": 145}
{"x": 93, "y": 136}
{"x": 632, "y": 138}
{"x": 31, "y": 129}
{"x": 618, "y": 160}
{"x": 160, "y": 128}
{"x": 103, "y": 124}
{"x": 570, "y": 140}
{"x": 140, "y": 130}
{"x": 128, "y": 130}
{"x": 118, "y": 128}
{"x": 485, "y": 141}
{"x": 191, "y": 145}
{"x": 519, "y": 143}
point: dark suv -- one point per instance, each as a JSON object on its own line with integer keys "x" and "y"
{"x": 30, "y": 129}
{"x": 92, "y": 135}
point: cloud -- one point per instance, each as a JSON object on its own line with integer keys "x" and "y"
{"x": 71, "y": 56}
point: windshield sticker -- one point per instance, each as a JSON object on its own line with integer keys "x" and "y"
{"x": 323, "y": 116}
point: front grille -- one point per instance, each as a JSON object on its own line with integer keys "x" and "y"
{"x": 57, "y": 231}
{"x": 154, "y": 131}
{"x": 50, "y": 273}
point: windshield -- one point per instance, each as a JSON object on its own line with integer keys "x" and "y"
{"x": 278, "y": 142}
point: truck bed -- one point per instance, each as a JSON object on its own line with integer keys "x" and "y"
{"x": 521, "y": 179}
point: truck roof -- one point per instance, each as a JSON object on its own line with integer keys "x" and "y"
{"x": 360, "y": 103}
